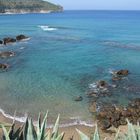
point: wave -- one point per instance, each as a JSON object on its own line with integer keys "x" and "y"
{"x": 77, "y": 121}
{"x": 47, "y": 28}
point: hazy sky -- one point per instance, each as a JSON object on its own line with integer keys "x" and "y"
{"x": 99, "y": 4}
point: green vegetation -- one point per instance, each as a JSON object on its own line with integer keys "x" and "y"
{"x": 29, "y": 132}
{"x": 28, "y": 6}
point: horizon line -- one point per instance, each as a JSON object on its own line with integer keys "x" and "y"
{"x": 101, "y": 10}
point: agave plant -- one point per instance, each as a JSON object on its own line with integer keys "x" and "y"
{"x": 30, "y": 132}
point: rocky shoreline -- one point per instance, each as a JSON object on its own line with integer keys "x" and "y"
{"x": 8, "y": 54}
{"x": 109, "y": 115}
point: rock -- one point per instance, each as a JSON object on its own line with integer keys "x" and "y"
{"x": 21, "y": 37}
{"x": 79, "y": 98}
{"x": 122, "y": 72}
{"x": 92, "y": 94}
{"x": 102, "y": 83}
{"x": 8, "y": 40}
{"x": 123, "y": 121}
{"x": 6, "y": 54}
{"x": 4, "y": 66}
{"x": 126, "y": 113}
{"x": 116, "y": 124}
{"x": 1, "y": 42}
{"x": 105, "y": 124}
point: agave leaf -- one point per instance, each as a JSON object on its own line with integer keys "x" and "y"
{"x": 96, "y": 134}
{"x": 43, "y": 127}
{"x": 5, "y": 125}
{"x": 60, "y": 137}
{"x": 31, "y": 134}
{"x": 39, "y": 127}
{"x": 138, "y": 131}
{"x": 25, "y": 131}
{"x": 14, "y": 134}
{"x": 55, "y": 129}
{"x": 131, "y": 132}
{"x": 5, "y": 133}
{"x": 82, "y": 135}
{"x": 117, "y": 135}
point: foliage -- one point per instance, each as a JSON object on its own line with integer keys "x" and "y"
{"x": 30, "y": 132}
{"x": 29, "y": 5}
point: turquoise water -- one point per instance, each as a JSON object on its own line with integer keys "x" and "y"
{"x": 66, "y": 53}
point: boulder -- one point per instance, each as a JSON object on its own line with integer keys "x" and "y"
{"x": 21, "y": 37}
{"x": 3, "y": 66}
{"x": 105, "y": 124}
{"x": 6, "y": 54}
{"x": 122, "y": 72}
{"x": 8, "y": 40}
{"x": 102, "y": 83}
{"x": 78, "y": 98}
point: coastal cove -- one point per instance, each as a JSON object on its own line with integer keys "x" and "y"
{"x": 67, "y": 54}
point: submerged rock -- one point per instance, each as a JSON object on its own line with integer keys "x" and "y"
{"x": 4, "y": 66}
{"x": 6, "y": 54}
{"x": 8, "y": 40}
{"x": 102, "y": 83}
{"x": 116, "y": 78}
{"x": 78, "y": 98}
{"x": 92, "y": 94}
{"x": 1, "y": 42}
{"x": 21, "y": 37}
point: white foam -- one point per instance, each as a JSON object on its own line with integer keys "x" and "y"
{"x": 19, "y": 119}
{"x": 23, "y": 120}
{"x": 47, "y": 28}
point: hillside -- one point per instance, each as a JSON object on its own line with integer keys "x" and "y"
{"x": 28, "y": 6}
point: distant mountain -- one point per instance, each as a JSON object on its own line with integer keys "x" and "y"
{"x": 28, "y": 6}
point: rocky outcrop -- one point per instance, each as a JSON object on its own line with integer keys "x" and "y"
{"x": 6, "y": 54}
{"x": 118, "y": 75}
{"x": 21, "y": 37}
{"x": 115, "y": 116}
{"x": 4, "y": 66}
{"x": 8, "y": 40}
{"x": 122, "y": 72}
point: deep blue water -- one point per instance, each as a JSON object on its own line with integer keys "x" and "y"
{"x": 67, "y": 52}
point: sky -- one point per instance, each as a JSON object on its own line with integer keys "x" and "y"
{"x": 99, "y": 4}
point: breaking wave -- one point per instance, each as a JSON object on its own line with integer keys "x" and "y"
{"x": 47, "y": 28}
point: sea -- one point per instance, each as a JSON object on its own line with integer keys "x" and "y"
{"x": 68, "y": 52}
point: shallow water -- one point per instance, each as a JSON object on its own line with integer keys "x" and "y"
{"x": 67, "y": 52}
